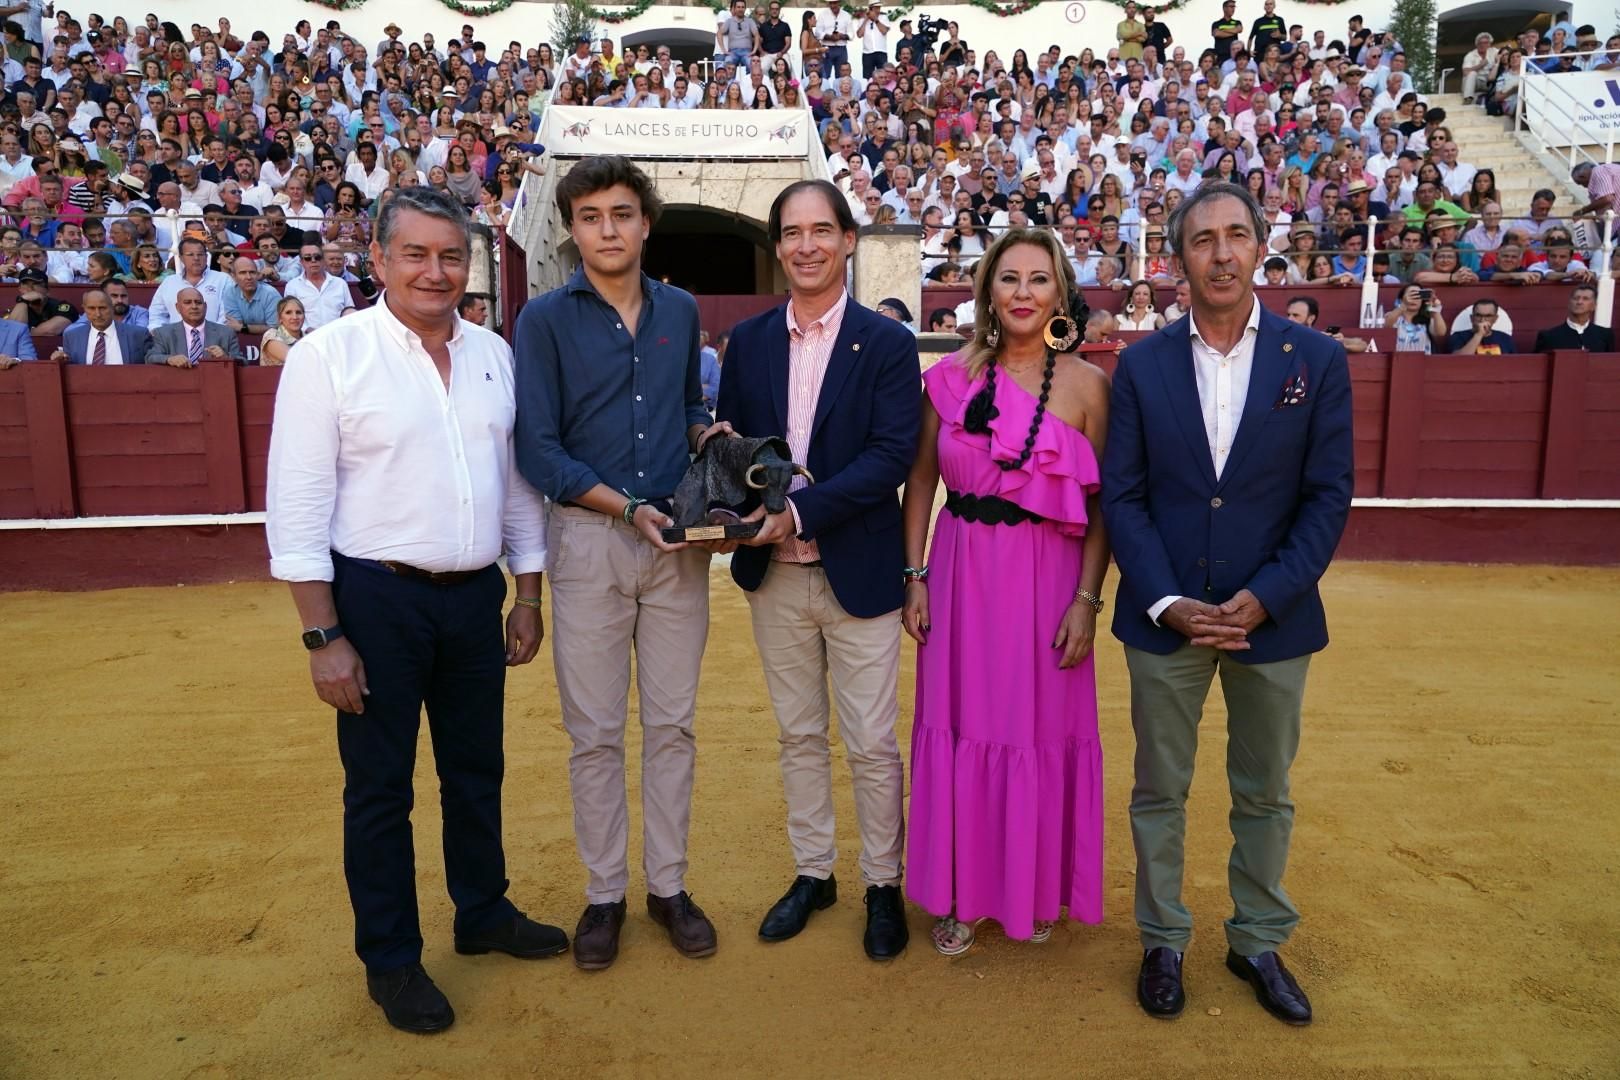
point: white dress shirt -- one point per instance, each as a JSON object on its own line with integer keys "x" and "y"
{"x": 372, "y": 457}
{"x": 115, "y": 351}
{"x": 212, "y": 287}
{"x": 323, "y": 303}
{"x": 1223, "y": 388}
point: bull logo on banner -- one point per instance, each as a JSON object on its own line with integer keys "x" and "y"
{"x": 580, "y": 130}
{"x": 787, "y": 133}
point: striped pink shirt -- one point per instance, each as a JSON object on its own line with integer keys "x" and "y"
{"x": 809, "y": 349}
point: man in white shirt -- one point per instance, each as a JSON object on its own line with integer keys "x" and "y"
{"x": 386, "y": 513}
{"x": 194, "y": 274}
{"x": 1456, "y": 175}
{"x": 834, "y": 28}
{"x": 367, "y": 173}
{"x": 874, "y": 35}
{"x": 325, "y": 298}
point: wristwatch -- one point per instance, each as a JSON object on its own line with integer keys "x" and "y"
{"x": 317, "y": 638}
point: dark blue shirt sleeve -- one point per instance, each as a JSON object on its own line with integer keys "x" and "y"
{"x": 538, "y": 384}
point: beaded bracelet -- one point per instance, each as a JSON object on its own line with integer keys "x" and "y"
{"x": 629, "y": 514}
{"x": 915, "y": 573}
{"x": 527, "y": 601}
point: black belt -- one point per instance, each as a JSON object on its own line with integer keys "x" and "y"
{"x": 988, "y": 509}
{"x": 435, "y": 577}
{"x": 661, "y": 505}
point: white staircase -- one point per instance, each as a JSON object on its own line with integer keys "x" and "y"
{"x": 1488, "y": 142}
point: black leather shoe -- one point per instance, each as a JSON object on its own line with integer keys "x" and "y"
{"x": 410, "y": 1000}
{"x": 596, "y": 936}
{"x": 521, "y": 937}
{"x": 1158, "y": 984}
{"x": 790, "y": 914}
{"x": 886, "y": 932}
{"x": 1274, "y": 986}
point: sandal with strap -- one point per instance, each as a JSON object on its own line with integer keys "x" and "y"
{"x": 1043, "y": 932}
{"x": 952, "y": 937}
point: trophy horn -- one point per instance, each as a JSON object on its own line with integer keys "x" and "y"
{"x": 749, "y": 477}
{"x": 800, "y": 470}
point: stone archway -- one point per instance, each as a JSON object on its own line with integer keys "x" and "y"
{"x": 714, "y": 198}
{"x": 686, "y": 43}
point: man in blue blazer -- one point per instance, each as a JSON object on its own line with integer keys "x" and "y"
{"x": 123, "y": 344}
{"x": 842, "y": 384}
{"x": 1226, "y": 484}
{"x": 16, "y": 344}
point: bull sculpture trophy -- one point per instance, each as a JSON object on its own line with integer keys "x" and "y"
{"x": 722, "y": 479}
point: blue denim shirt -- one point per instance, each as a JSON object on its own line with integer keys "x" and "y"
{"x": 598, "y": 406}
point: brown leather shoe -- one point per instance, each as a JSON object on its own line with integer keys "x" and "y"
{"x": 690, "y": 930}
{"x": 596, "y": 938}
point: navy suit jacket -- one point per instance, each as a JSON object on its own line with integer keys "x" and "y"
{"x": 131, "y": 339}
{"x": 1269, "y": 524}
{"x": 862, "y": 443}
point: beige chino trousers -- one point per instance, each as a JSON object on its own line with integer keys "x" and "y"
{"x": 611, "y": 590}
{"x": 804, "y": 636}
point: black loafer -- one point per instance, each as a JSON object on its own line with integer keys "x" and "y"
{"x": 522, "y": 937}
{"x": 790, "y": 914}
{"x": 1274, "y": 986}
{"x": 1158, "y": 984}
{"x": 410, "y": 1001}
{"x": 886, "y": 932}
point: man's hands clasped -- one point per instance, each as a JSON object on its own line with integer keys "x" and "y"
{"x": 1221, "y": 626}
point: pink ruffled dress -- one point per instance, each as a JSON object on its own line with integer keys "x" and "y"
{"x": 1006, "y": 788}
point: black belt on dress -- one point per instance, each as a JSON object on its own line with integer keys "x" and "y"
{"x": 988, "y": 509}
{"x": 406, "y": 570}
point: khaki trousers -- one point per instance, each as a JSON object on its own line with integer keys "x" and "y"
{"x": 1262, "y": 729}
{"x": 804, "y": 636}
{"x": 612, "y": 590}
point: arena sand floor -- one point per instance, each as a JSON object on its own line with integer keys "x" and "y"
{"x": 173, "y": 901}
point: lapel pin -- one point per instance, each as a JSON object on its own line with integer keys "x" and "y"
{"x": 856, "y": 346}
{"x": 1288, "y": 346}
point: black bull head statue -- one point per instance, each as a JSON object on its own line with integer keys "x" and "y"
{"x": 729, "y": 471}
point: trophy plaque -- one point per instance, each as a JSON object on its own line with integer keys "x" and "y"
{"x": 724, "y": 478}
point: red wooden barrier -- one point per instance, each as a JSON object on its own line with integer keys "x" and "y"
{"x": 147, "y": 440}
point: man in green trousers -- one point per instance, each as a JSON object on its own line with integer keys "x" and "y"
{"x": 1225, "y": 485}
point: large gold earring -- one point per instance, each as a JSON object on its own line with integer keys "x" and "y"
{"x": 1061, "y": 332}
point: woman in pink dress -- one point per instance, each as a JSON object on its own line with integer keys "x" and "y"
{"x": 1006, "y": 788}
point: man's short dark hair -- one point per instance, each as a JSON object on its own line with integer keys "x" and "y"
{"x": 595, "y": 174}
{"x": 939, "y": 315}
{"x": 1584, "y": 287}
{"x": 192, "y": 240}
{"x": 468, "y": 300}
{"x": 1310, "y": 305}
{"x": 835, "y": 201}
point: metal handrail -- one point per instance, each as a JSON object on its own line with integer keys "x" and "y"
{"x": 1552, "y": 111}
{"x": 1440, "y": 84}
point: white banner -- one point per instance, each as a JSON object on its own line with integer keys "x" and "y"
{"x": 1593, "y": 96}
{"x": 581, "y": 131}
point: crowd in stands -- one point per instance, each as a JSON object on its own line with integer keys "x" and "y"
{"x": 251, "y": 170}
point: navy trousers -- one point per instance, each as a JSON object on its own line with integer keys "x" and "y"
{"x": 442, "y": 646}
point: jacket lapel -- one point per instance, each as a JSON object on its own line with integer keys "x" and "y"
{"x": 845, "y": 356}
{"x": 776, "y": 344}
{"x": 1273, "y": 356}
{"x": 1176, "y": 365}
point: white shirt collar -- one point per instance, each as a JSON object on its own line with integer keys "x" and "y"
{"x": 1251, "y": 327}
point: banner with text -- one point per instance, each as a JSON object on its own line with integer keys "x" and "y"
{"x": 1596, "y": 105}
{"x": 581, "y": 131}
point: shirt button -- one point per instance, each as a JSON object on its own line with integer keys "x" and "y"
{"x": 1216, "y": 501}
{"x": 638, "y": 397}
{"x": 641, "y": 474}
{"x": 618, "y": 326}
{"x": 641, "y": 435}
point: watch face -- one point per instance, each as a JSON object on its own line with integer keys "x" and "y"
{"x": 314, "y": 639}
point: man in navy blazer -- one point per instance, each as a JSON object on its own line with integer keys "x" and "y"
{"x": 1226, "y": 484}
{"x": 842, "y": 384}
{"x": 126, "y": 344}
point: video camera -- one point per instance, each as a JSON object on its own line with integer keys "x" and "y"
{"x": 929, "y": 29}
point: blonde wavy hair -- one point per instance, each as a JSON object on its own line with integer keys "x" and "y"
{"x": 976, "y": 356}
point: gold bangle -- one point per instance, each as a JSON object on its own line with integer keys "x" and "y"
{"x": 527, "y": 601}
{"x": 1091, "y": 600}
